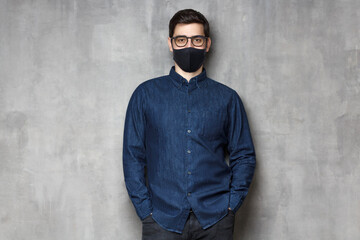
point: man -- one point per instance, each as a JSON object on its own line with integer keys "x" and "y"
{"x": 179, "y": 126}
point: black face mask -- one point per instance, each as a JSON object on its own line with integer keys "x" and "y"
{"x": 189, "y": 59}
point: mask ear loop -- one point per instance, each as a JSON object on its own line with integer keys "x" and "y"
{"x": 172, "y": 44}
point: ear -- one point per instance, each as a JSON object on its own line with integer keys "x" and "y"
{"x": 169, "y": 43}
{"x": 208, "y": 44}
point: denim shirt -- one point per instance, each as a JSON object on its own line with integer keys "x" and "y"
{"x": 177, "y": 134}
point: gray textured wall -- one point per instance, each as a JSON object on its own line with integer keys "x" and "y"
{"x": 68, "y": 68}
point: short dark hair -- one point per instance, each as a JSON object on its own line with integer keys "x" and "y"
{"x": 188, "y": 16}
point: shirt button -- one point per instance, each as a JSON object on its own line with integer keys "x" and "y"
{"x": 189, "y": 172}
{"x": 188, "y": 110}
{"x": 189, "y": 131}
{"x": 188, "y": 151}
{"x": 189, "y": 194}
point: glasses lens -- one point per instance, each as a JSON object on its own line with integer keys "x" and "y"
{"x": 180, "y": 41}
{"x": 198, "y": 41}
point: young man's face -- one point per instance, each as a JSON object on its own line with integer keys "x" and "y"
{"x": 189, "y": 30}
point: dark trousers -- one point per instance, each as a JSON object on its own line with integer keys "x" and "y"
{"x": 222, "y": 230}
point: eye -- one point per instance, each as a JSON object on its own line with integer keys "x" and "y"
{"x": 198, "y": 40}
{"x": 180, "y": 39}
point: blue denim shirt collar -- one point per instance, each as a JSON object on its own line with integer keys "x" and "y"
{"x": 199, "y": 80}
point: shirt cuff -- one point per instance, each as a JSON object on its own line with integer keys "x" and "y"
{"x": 145, "y": 210}
{"x": 235, "y": 202}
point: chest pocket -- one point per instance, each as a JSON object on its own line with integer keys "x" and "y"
{"x": 212, "y": 124}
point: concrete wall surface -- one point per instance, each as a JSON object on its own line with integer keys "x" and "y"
{"x": 68, "y": 68}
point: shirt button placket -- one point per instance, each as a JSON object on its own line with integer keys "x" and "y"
{"x": 188, "y": 143}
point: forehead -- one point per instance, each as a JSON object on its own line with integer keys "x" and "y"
{"x": 190, "y": 29}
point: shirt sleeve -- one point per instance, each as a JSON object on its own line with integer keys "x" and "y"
{"x": 134, "y": 160}
{"x": 241, "y": 152}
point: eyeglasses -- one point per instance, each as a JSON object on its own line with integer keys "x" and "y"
{"x": 182, "y": 40}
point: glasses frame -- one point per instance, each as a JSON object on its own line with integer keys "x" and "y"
{"x": 187, "y": 40}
